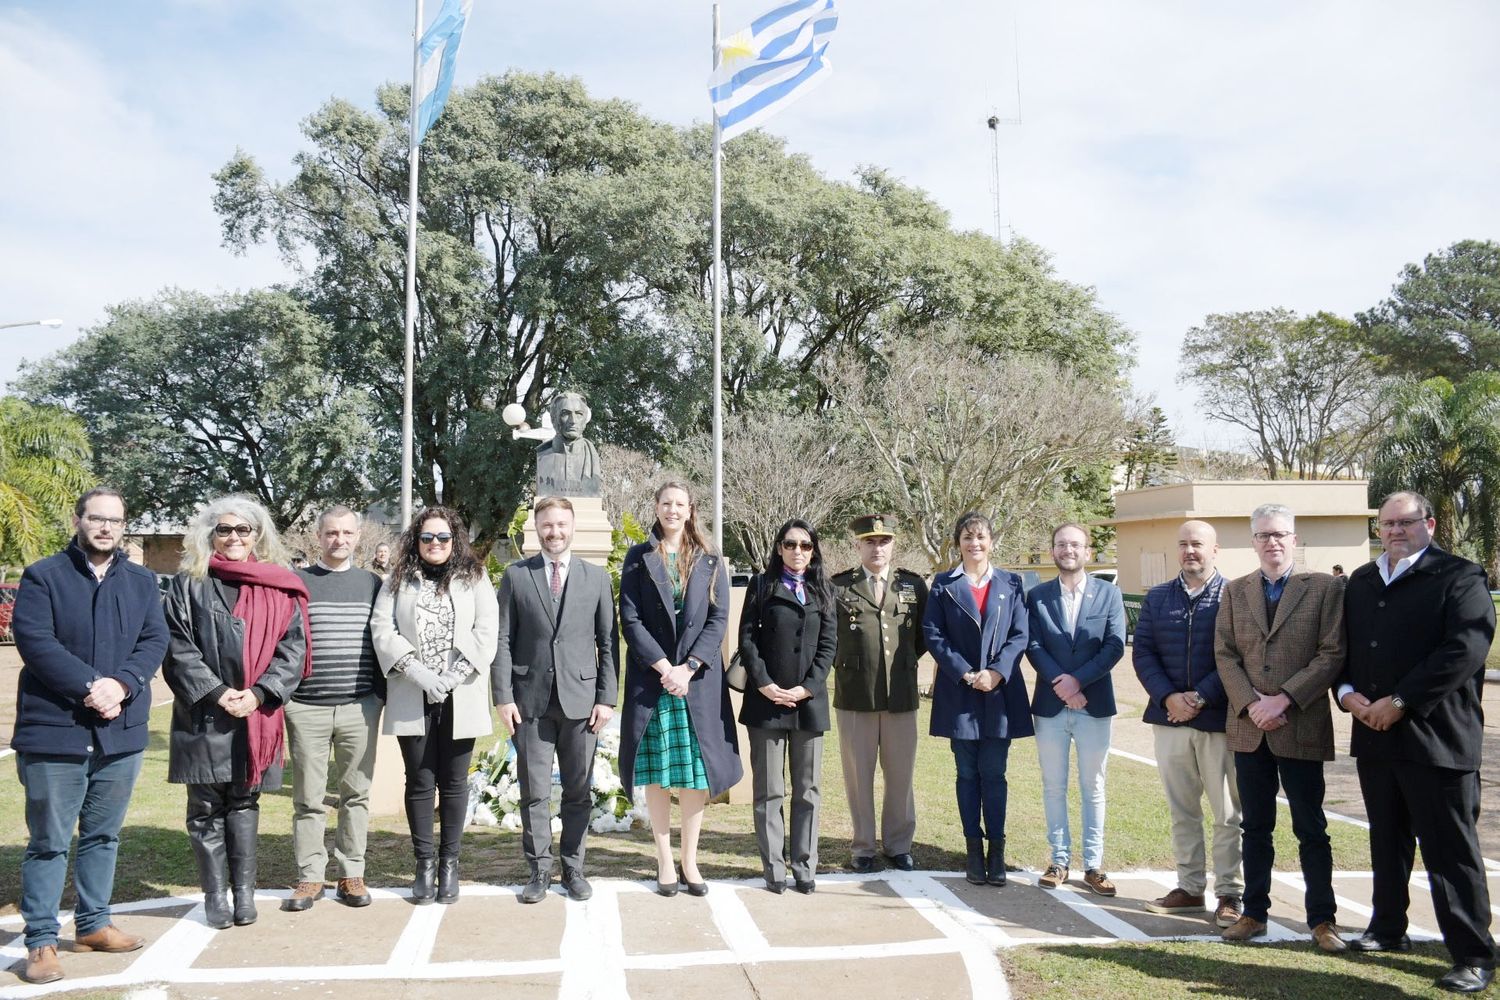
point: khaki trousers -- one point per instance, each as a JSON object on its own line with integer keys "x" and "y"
{"x": 1195, "y": 765}
{"x": 891, "y": 739}
{"x": 350, "y": 731}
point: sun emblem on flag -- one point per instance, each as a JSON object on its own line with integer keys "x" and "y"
{"x": 737, "y": 47}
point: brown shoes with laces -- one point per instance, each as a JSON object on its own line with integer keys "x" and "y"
{"x": 1230, "y": 909}
{"x": 1099, "y": 882}
{"x": 1326, "y": 936}
{"x": 1244, "y": 929}
{"x": 304, "y": 895}
{"x": 1179, "y": 900}
{"x": 42, "y": 965}
{"x": 1054, "y": 876}
{"x": 352, "y": 892}
{"x": 108, "y": 938}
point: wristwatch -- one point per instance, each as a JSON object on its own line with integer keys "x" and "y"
{"x": 1398, "y": 703}
{"x": 1196, "y": 699}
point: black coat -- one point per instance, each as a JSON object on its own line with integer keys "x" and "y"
{"x": 206, "y": 654}
{"x": 786, "y": 643}
{"x": 649, "y": 623}
{"x": 1425, "y": 638}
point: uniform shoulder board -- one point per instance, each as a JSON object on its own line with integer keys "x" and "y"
{"x": 903, "y": 571}
{"x": 845, "y": 576}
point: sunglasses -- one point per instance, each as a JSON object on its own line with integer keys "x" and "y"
{"x": 792, "y": 545}
{"x": 225, "y": 530}
{"x": 442, "y": 537}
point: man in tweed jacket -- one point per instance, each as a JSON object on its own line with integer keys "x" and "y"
{"x": 1279, "y": 643}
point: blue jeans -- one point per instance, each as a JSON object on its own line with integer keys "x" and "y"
{"x": 981, "y": 785}
{"x": 1055, "y": 736}
{"x": 92, "y": 794}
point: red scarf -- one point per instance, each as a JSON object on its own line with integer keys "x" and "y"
{"x": 269, "y": 594}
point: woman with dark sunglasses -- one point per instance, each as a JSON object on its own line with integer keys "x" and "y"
{"x": 434, "y": 627}
{"x": 788, "y": 634}
{"x": 238, "y": 649}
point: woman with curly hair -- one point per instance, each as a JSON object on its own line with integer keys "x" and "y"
{"x": 238, "y": 648}
{"x": 434, "y": 627}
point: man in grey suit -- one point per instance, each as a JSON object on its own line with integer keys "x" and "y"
{"x": 555, "y": 678}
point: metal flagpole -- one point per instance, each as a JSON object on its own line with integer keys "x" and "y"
{"x": 411, "y": 275}
{"x": 718, "y": 297}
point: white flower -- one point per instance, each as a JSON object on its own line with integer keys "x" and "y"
{"x": 556, "y": 824}
{"x": 511, "y": 821}
{"x": 483, "y": 817}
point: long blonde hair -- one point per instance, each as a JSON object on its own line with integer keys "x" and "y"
{"x": 198, "y": 542}
{"x": 694, "y": 544}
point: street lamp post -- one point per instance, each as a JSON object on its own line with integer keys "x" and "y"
{"x": 52, "y": 323}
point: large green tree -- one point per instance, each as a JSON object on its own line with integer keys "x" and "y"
{"x": 188, "y": 395}
{"x": 1444, "y": 443}
{"x": 44, "y": 467}
{"x": 1443, "y": 316}
{"x": 1304, "y": 388}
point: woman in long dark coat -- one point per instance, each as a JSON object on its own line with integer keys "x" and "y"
{"x": 238, "y": 648}
{"x": 788, "y": 635}
{"x": 677, "y": 726}
{"x": 976, "y": 629}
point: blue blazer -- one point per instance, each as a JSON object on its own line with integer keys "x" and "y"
{"x": 1089, "y": 653}
{"x": 957, "y": 643}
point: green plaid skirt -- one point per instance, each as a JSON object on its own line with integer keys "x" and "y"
{"x": 669, "y": 754}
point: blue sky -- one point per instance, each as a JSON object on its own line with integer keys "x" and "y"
{"x": 1182, "y": 157}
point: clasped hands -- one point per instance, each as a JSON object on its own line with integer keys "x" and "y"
{"x": 239, "y": 703}
{"x": 435, "y": 685}
{"x": 106, "y": 696}
{"x": 982, "y": 680}
{"x": 1068, "y": 690}
{"x": 1268, "y": 711}
{"x": 785, "y": 697}
{"x": 1378, "y": 715}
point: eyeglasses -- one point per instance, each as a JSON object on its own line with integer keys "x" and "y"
{"x": 441, "y": 537}
{"x": 100, "y": 521}
{"x": 1402, "y": 522}
{"x": 225, "y": 530}
{"x": 1070, "y": 545}
{"x": 792, "y": 545}
{"x": 1266, "y": 536}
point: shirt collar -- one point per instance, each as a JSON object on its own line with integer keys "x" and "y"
{"x": 1206, "y": 583}
{"x": 1079, "y": 591}
{"x": 348, "y": 565}
{"x": 1384, "y": 561}
{"x": 566, "y": 559}
{"x": 1280, "y": 579}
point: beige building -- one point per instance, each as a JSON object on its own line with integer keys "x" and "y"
{"x": 1333, "y": 525}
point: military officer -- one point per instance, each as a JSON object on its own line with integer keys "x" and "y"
{"x": 875, "y": 690}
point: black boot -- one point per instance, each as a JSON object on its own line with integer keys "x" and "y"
{"x": 243, "y": 828}
{"x": 206, "y": 834}
{"x": 447, "y": 880}
{"x": 996, "y": 873}
{"x": 422, "y": 887}
{"x": 974, "y": 863}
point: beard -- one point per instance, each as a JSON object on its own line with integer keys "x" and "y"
{"x": 94, "y": 550}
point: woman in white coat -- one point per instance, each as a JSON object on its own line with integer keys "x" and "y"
{"x": 434, "y": 627}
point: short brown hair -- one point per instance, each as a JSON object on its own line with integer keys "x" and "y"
{"x": 547, "y": 503}
{"x": 1087, "y": 538}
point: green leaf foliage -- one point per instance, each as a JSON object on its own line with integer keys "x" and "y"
{"x": 1443, "y": 316}
{"x": 44, "y": 468}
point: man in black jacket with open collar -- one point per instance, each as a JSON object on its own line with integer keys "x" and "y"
{"x": 1419, "y": 622}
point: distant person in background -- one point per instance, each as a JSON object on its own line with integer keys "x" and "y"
{"x": 975, "y": 628}
{"x": 238, "y": 619}
{"x": 1338, "y": 570}
{"x": 90, "y": 634}
{"x": 1076, "y": 635}
{"x": 337, "y": 711}
{"x": 381, "y": 564}
{"x": 434, "y": 627}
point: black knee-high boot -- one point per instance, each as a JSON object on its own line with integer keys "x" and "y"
{"x": 205, "y": 827}
{"x": 243, "y": 827}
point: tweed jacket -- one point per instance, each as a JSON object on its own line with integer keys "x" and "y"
{"x": 1299, "y": 655}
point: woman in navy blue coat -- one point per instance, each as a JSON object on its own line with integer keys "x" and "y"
{"x": 975, "y": 628}
{"x": 677, "y": 727}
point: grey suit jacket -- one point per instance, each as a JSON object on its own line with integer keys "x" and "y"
{"x": 568, "y": 646}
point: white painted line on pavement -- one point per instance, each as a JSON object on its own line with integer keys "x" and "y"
{"x": 735, "y": 924}
{"x": 178, "y": 947}
{"x": 592, "y": 950}
{"x": 414, "y": 947}
{"x": 977, "y": 938}
{"x": 1088, "y": 908}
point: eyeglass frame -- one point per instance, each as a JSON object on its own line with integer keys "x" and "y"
{"x": 242, "y": 529}
{"x": 435, "y": 537}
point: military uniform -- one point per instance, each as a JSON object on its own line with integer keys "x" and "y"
{"x": 875, "y": 697}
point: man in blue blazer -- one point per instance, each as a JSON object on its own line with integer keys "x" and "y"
{"x": 1076, "y": 636}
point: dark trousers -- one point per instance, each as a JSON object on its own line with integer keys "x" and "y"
{"x": 536, "y": 741}
{"x": 981, "y": 786}
{"x": 437, "y": 781}
{"x": 1258, "y": 776}
{"x": 1439, "y": 807}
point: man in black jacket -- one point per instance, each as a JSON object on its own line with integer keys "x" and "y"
{"x": 90, "y": 632}
{"x": 1419, "y": 622}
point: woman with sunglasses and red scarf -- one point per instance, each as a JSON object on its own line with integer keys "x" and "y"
{"x": 435, "y": 625}
{"x": 237, "y": 618}
{"x": 788, "y": 634}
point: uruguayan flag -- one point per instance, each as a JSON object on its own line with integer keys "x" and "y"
{"x": 439, "y": 54}
{"x": 762, "y": 69}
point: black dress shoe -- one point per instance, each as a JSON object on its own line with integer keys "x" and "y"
{"x": 696, "y": 888}
{"x": 903, "y": 862}
{"x": 777, "y": 887}
{"x": 1466, "y": 979}
{"x": 862, "y": 866}
{"x": 667, "y": 888}
{"x": 806, "y": 888}
{"x": 578, "y": 887}
{"x": 536, "y": 889}
{"x": 1369, "y": 942}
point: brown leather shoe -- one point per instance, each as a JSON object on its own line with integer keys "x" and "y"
{"x": 352, "y": 892}
{"x": 108, "y": 938}
{"x": 1230, "y": 909}
{"x": 1327, "y": 937}
{"x": 1099, "y": 882}
{"x": 304, "y": 895}
{"x": 42, "y": 965}
{"x": 1177, "y": 901}
{"x": 1054, "y": 876}
{"x": 1243, "y": 929}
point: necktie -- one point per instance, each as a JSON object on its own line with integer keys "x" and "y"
{"x": 556, "y": 579}
{"x": 879, "y": 587}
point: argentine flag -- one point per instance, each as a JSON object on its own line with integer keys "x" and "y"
{"x": 765, "y": 67}
{"x": 439, "y": 55}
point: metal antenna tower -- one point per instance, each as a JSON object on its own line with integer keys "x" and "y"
{"x": 994, "y": 122}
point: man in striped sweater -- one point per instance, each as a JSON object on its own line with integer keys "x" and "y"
{"x": 336, "y": 709}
